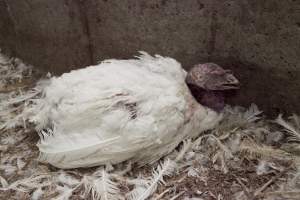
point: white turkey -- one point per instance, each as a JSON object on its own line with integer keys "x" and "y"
{"x": 137, "y": 109}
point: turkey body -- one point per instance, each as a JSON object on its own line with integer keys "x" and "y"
{"x": 138, "y": 109}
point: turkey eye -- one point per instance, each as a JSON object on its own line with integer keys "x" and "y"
{"x": 198, "y": 75}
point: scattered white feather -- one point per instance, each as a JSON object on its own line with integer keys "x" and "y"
{"x": 252, "y": 113}
{"x": 12, "y": 102}
{"x": 66, "y": 179}
{"x": 20, "y": 163}
{"x": 29, "y": 184}
{"x": 4, "y": 183}
{"x": 193, "y": 172}
{"x": 262, "y": 167}
{"x": 37, "y": 194}
{"x": 65, "y": 192}
{"x": 8, "y": 169}
{"x": 187, "y": 144}
{"x": 100, "y": 186}
{"x": 293, "y": 133}
{"x": 142, "y": 192}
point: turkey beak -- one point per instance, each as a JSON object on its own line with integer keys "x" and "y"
{"x": 232, "y": 83}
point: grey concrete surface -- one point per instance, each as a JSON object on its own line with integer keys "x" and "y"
{"x": 49, "y": 33}
{"x": 7, "y": 31}
{"x": 258, "y": 40}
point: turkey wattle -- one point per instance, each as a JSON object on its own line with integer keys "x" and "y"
{"x": 138, "y": 109}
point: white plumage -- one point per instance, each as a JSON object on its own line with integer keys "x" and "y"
{"x": 138, "y": 109}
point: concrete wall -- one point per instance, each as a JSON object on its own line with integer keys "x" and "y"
{"x": 259, "y": 40}
{"x": 47, "y": 33}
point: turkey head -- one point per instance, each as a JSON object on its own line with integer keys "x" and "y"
{"x": 208, "y": 83}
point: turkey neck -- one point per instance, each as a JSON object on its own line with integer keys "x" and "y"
{"x": 213, "y": 99}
